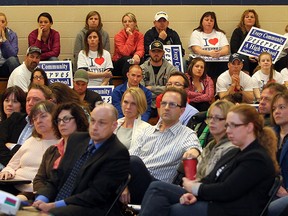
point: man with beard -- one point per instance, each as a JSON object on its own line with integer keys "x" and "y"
{"x": 156, "y": 72}
{"x": 22, "y": 74}
{"x": 80, "y": 84}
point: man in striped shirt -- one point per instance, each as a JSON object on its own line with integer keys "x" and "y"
{"x": 158, "y": 151}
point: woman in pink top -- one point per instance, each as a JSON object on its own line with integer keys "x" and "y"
{"x": 45, "y": 38}
{"x": 201, "y": 88}
{"x": 129, "y": 45}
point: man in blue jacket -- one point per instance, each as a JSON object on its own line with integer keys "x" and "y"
{"x": 134, "y": 76}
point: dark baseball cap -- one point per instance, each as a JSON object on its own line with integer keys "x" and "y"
{"x": 33, "y": 49}
{"x": 156, "y": 45}
{"x": 235, "y": 56}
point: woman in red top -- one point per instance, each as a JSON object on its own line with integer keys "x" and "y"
{"x": 129, "y": 45}
{"x": 45, "y": 38}
{"x": 201, "y": 88}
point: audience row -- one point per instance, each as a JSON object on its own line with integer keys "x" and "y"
{"x": 168, "y": 141}
{"x": 208, "y": 39}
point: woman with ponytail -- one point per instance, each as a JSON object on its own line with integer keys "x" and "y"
{"x": 238, "y": 184}
{"x": 265, "y": 74}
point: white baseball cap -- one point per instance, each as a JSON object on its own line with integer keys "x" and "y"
{"x": 161, "y": 14}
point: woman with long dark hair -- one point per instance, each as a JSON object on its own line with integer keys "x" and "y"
{"x": 95, "y": 60}
{"x": 201, "y": 89}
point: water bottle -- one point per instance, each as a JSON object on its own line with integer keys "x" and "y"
{"x": 130, "y": 61}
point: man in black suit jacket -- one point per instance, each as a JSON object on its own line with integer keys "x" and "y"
{"x": 98, "y": 178}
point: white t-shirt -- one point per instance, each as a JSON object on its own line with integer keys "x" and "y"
{"x": 20, "y": 76}
{"x": 260, "y": 79}
{"x": 224, "y": 81}
{"x": 94, "y": 63}
{"x": 213, "y": 41}
{"x": 284, "y": 73}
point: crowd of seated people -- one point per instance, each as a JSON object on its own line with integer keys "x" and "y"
{"x": 112, "y": 140}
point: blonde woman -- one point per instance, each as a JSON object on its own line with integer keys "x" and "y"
{"x": 129, "y": 44}
{"x": 8, "y": 48}
{"x": 133, "y": 104}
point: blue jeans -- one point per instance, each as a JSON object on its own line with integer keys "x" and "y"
{"x": 9, "y": 65}
{"x": 140, "y": 179}
{"x": 162, "y": 199}
{"x": 277, "y": 206}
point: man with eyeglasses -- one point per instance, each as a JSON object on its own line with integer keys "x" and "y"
{"x": 134, "y": 77}
{"x": 156, "y": 71}
{"x": 179, "y": 80}
{"x": 266, "y": 97}
{"x": 158, "y": 151}
{"x": 22, "y": 74}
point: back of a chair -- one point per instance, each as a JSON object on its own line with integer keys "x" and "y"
{"x": 273, "y": 191}
{"x": 118, "y": 193}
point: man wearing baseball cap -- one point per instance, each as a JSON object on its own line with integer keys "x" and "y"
{"x": 21, "y": 75}
{"x": 161, "y": 32}
{"x": 80, "y": 83}
{"x": 156, "y": 71}
{"x": 235, "y": 80}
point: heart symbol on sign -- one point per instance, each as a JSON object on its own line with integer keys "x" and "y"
{"x": 213, "y": 41}
{"x": 99, "y": 61}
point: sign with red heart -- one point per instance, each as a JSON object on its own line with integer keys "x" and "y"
{"x": 213, "y": 41}
{"x": 99, "y": 61}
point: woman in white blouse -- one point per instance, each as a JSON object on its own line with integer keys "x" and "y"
{"x": 133, "y": 104}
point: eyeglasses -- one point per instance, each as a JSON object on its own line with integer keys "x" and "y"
{"x": 168, "y": 84}
{"x": 38, "y": 77}
{"x": 233, "y": 125}
{"x": 170, "y": 104}
{"x": 215, "y": 119}
{"x": 66, "y": 119}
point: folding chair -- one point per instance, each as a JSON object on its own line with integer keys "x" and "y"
{"x": 118, "y": 193}
{"x": 275, "y": 187}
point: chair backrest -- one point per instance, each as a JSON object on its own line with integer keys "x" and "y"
{"x": 272, "y": 192}
{"x": 118, "y": 193}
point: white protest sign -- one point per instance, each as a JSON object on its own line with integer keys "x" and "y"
{"x": 173, "y": 54}
{"x": 211, "y": 59}
{"x": 58, "y": 71}
{"x": 259, "y": 40}
{"x": 104, "y": 91}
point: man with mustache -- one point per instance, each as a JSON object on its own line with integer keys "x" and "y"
{"x": 22, "y": 74}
